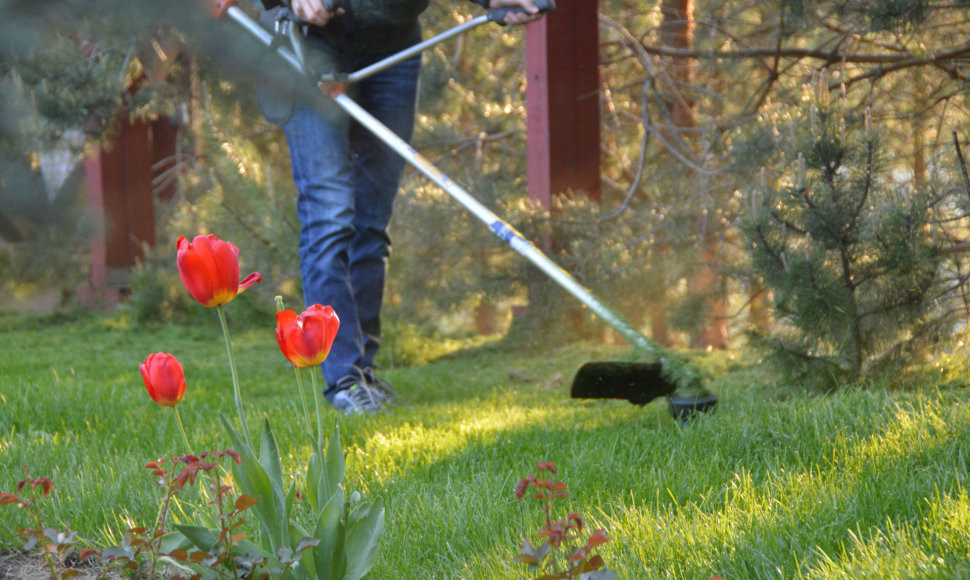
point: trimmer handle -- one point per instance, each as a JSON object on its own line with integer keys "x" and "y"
{"x": 497, "y": 15}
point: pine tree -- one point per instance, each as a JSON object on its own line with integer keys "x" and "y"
{"x": 848, "y": 254}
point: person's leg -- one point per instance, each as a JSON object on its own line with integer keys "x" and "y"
{"x": 346, "y": 180}
{"x": 391, "y": 96}
{"x": 320, "y": 153}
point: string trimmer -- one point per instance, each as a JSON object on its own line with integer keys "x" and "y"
{"x": 635, "y": 381}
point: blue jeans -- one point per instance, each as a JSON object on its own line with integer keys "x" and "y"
{"x": 347, "y": 180}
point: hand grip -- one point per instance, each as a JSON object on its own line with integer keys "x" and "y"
{"x": 218, "y": 8}
{"x": 498, "y": 15}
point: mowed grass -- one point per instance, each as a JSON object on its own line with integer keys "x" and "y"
{"x": 778, "y": 483}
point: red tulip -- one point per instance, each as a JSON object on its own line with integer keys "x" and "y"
{"x": 306, "y": 339}
{"x": 209, "y": 268}
{"x": 164, "y": 378}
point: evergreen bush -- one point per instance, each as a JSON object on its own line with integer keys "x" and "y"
{"x": 848, "y": 254}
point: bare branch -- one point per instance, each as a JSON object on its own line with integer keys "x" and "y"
{"x": 830, "y": 56}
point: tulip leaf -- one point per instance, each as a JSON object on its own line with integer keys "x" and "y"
{"x": 200, "y": 537}
{"x": 254, "y": 481}
{"x": 304, "y": 568}
{"x": 335, "y": 460}
{"x": 325, "y": 473}
{"x": 365, "y": 526}
{"x": 328, "y": 555}
{"x": 269, "y": 456}
{"x": 290, "y": 498}
{"x": 313, "y": 474}
{"x": 269, "y": 459}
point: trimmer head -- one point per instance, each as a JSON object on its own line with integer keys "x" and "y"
{"x": 636, "y": 382}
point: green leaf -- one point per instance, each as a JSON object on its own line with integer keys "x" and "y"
{"x": 269, "y": 456}
{"x": 312, "y": 484}
{"x": 305, "y": 568}
{"x": 599, "y": 575}
{"x": 286, "y": 556}
{"x": 328, "y": 556}
{"x": 246, "y": 547}
{"x": 335, "y": 462}
{"x": 365, "y": 526}
{"x": 200, "y": 537}
{"x": 306, "y": 544}
{"x": 253, "y": 480}
{"x": 290, "y": 498}
{"x": 173, "y": 541}
{"x": 325, "y": 473}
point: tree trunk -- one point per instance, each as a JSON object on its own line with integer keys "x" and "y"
{"x": 758, "y": 309}
{"x": 706, "y": 282}
{"x": 677, "y": 31}
{"x": 658, "y": 326}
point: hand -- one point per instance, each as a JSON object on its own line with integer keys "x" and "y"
{"x": 531, "y": 13}
{"x": 313, "y": 12}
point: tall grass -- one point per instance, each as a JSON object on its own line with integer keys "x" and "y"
{"x": 778, "y": 483}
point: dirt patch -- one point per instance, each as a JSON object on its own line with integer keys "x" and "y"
{"x": 23, "y": 566}
{"x": 31, "y": 566}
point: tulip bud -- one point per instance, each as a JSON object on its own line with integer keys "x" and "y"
{"x": 164, "y": 379}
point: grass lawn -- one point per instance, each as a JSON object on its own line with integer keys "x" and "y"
{"x": 865, "y": 483}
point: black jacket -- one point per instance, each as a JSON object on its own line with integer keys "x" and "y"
{"x": 372, "y": 27}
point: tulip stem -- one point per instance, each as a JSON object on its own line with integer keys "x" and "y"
{"x": 178, "y": 417}
{"x": 306, "y": 411}
{"x": 185, "y": 438}
{"x": 235, "y": 377}
{"x": 316, "y": 402}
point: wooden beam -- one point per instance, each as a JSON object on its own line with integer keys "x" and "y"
{"x": 121, "y": 203}
{"x": 562, "y": 102}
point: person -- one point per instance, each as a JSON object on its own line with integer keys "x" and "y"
{"x": 347, "y": 179}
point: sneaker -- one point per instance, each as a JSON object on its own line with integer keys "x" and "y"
{"x": 379, "y": 387}
{"x": 354, "y": 396}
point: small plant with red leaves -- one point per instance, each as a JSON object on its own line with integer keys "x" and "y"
{"x": 53, "y": 544}
{"x": 140, "y": 544}
{"x": 562, "y": 554}
{"x": 205, "y": 554}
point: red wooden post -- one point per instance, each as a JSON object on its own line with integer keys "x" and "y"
{"x": 562, "y": 102}
{"x": 121, "y": 202}
{"x": 140, "y": 201}
{"x": 562, "y": 106}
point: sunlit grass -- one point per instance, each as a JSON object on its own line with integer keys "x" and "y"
{"x": 866, "y": 483}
